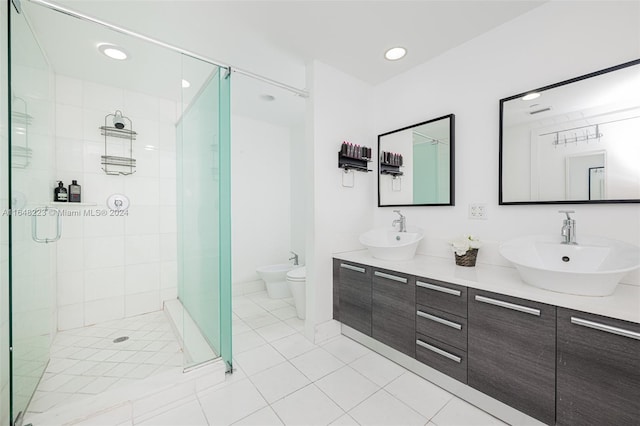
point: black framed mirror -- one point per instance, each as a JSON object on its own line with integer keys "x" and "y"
{"x": 577, "y": 141}
{"x": 416, "y": 164}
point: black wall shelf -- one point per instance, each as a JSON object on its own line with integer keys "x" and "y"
{"x": 390, "y": 169}
{"x": 350, "y": 163}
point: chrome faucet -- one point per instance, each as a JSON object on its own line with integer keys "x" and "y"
{"x": 294, "y": 258}
{"x": 568, "y": 230}
{"x": 401, "y": 222}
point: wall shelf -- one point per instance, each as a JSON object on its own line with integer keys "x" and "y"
{"x": 350, "y": 163}
{"x": 390, "y": 169}
{"x": 123, "y": 164}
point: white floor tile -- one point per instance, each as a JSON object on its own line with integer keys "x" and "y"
{"x": 460, "y": 413}
{"x": 377, "y": 368}
{"x": 229, "y": 403}
{"x": 347, "y": 387}
{"x": 275, "y": 331}
{"x": 296, "y": 323}
{"x": 308, "y": 406}
{"x": 44, "y": 401}
{"x": 246, "y": 341}
{"x": 255, "y": 360}
{"x": 260, "y": 320}
{"x": 346, "y": 349}
{"x": 190, "y": 413}
{"x": 419, "y": 394}
{"x": 293, "y": 345}
{"x": 263, "y": 417}
{"x": 316, "y": 363}
{"x": 279, "y": 381}
{"x": 100, "y": 384}
{"x": 383, "y": 409}
{"x": 75, "y": 384}
{"x": 345, "y": 420}
{"x": 285, "y": 313}
{"x": 112, "y": 417}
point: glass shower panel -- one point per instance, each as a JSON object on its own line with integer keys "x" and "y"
{"x": 33, "y": 225}
{"x": 4, "y": 224}
{"x": 202, "y": 201}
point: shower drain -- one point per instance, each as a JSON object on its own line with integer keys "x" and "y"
{"x": 120, "y": 339}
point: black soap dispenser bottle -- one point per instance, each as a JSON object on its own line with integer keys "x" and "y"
{"x": 60, "y": 193}
{"x": 74, "y": 192}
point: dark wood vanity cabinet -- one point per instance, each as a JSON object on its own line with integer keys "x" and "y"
{"x": 598, "y": 370}
{"x": 354, "y": 295}
{"x": 512, "y": 352}
{"x": 441, "y": 327}
{"x": 393, "y": 310}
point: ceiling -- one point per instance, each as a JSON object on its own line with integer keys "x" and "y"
{"x": 348, "y": 35}
{"x": 271, "y": 38}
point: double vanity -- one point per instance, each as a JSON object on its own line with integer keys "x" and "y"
{"x": 517, "y": 351}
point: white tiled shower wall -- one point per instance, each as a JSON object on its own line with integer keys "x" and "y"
{"x": 115, "y": 267}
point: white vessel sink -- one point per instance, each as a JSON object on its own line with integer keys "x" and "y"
{"x": 593, "y": 267}
{"x": 389, "y": 244}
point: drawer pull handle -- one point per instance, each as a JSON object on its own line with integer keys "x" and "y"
{"x": 439, "y": 351}
{"x": 438, "y": 288}
{"x": 512, "y": 306}
{"x": 440, "y": 320}
{"x": 390, "y": 277}
{"x": 607, "y": 328}
{"x": 353, "y": 268}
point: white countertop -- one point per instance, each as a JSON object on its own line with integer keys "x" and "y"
{"x": 624, "y": 304}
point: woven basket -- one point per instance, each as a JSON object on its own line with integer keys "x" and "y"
{"x": 467, "y": 259}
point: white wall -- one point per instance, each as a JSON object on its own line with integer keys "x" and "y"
{"x": 260, "y": 196}
{"x": 337, "y": 215}
{"x": 552, "y": 43}
{"x": 299, "y": 193}
{"x": 115, "y": 267}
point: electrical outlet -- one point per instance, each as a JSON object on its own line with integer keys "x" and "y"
{"x": 477, "y": 211}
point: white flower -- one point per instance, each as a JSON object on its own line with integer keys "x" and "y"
{"x": 461, "y": 245}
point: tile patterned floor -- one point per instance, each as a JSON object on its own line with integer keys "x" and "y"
{"x": 282, "y": 378}
{"x": 86, "y": 361}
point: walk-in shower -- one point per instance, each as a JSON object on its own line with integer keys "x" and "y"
{"x": 94, "y": 296}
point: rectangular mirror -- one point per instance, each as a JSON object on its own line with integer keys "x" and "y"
{"x": 416, "y": 164}
{"x": 577, "y": 141}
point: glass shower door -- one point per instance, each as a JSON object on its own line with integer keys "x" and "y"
{"x": 203, "y": 202}
{"x": 33, "y": 224}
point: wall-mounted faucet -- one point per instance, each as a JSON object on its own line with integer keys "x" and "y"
{"x": 401, "y": 222}
{"x": 294, "y": 258}
{"x": 568, "y": 230}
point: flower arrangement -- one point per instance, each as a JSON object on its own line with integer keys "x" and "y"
{"x": 465, "y": 243}
{"x": 466, "y": 250}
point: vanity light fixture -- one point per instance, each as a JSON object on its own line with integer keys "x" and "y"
{"x": 395, "y": 53}
{"x": 530, "y": 96}
{"x": 185, "y": 84}
{"x": 112, "y": 51}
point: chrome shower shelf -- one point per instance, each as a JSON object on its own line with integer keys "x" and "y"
{"x": 118, "y": 133}
{"x": 118, "y": 164}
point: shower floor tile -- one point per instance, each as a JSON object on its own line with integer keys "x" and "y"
{"x": 86, "y": 361}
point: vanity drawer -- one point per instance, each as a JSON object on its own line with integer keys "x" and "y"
{"x": 441, "y": 295}
{"x": 444, "y": 358}
{"x": 447, "y": 328}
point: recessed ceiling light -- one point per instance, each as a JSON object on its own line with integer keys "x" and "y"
{"x": 185, "y": 84}
{"x": 268, "y": 98}
{"x": 112, "y": 51}
{"x": 395, "y": 53}
{"x": 530, "y": 96}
